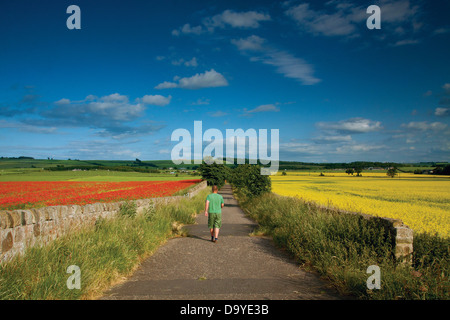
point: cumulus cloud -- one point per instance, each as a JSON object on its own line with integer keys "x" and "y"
{"x": 425, "y": 126}
{"x": 442, "y": 112}
{"x": 208, "y": 79}
{"x": 344, "y": 19}
{"x": 249, "y": 19}
{"x": 112, "y": 115}
{"x": 156, "y": 100}
{"x": 187, "y": 29}
{"x": 332, "y": 139}
{"x": 228, "y": 18}
{"x": 316, "y": 22}
{"x": 354, "y": 125}
{"x": 253, "y": 43}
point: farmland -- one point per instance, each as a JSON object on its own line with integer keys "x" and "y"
{"x": 421, "y": 201}
{"x": 31, "y": 187}
{"x": 43, "y": 193}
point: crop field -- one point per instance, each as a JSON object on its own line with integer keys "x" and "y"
{"x": 32, "y": 194}
{"x": 26, "y": 174}
{"x": 420, "y": 201}
{"x": 29, "y": 188}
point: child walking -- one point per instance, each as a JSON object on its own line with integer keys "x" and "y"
{"x": 213, "y": 210}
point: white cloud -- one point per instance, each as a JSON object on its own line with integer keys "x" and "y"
{"x": 406, "y": 42}
{"x": 442, "y": 112}
{"x": 208, "y": 79}
{"x": 253, "y": 43}
{"x": 425, "y": 126}
{"x": 201, "y": 101}
{"x": 332, "y": 139}
{"x": 284, "y": 62}
{"x": 357, "y": 148}
{"x": 189, "y": 63}
{"x": 291, "y": 67}
{"x": 336, "y": 24}
{"x": 156, "y": 100}
{"x": 265, "y": 108}
{"x": 187, "y": 29}
{"x": 354, "y": 125}
{"x": 446, "y": 87}
{"x": 249, "y": 19}
{"x": 346, "y": 19}
{"x": 246, "y": 20}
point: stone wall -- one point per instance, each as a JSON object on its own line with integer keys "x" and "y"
{"x": 20, "y": 229}
{"x": 401, "y": 235}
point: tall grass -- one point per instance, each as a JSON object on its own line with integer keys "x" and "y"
{"x": 340, "y": 247}
{"x": 105, "y": 253}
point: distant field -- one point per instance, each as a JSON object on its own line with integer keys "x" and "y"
{"x": 32, "y": 194}
{"x": 421, "y": 201}
{"x": 92, "y": 175}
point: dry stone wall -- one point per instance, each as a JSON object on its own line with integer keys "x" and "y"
{"x": 20, "y": 229}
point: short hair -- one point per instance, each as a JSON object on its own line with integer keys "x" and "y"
{"x": 214, "y": 188}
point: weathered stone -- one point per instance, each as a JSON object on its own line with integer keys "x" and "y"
{"x": 37, "y": 229}
{"x": 4, "y": 220}
{"x": 19, "y": 234}
{"x": 64, "y": 212}
{"x": 26, "y": 217}
{"x": 15, "y": 218}
{"x": 7, "y": 242}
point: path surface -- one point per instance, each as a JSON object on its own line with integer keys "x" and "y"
{"x": 237, "y": 267}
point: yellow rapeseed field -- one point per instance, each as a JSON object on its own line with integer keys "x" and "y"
{"x": 421, "y": 201}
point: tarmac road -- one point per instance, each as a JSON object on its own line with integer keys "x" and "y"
{"x": 237, "y": 267}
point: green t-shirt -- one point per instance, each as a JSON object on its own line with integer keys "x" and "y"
{"x": 215, "y": 203}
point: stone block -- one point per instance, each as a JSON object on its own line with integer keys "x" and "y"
{"x": 16, "y": 219}
{"x": 19, "y": 234}
{"x": 37, "y": 229}
{"x": 7, "y": 242}
{"x": 64, "y": 212}
{"x": 26, "y": 217}
{"x": 4, "y": 220}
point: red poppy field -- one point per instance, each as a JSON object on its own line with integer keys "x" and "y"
{"x": 21, "y": 195}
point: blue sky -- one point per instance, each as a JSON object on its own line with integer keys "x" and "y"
{"x": 137, "y": 70}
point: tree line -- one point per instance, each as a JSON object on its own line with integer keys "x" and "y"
{"x": 246, "y": 178}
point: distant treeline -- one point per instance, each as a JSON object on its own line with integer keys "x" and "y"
{"x": 18, "y": 158}
{"x": 60, "y": 167}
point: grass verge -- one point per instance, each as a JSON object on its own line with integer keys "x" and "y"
{"x": 341, "y": 247}
{"x": 105, "y": 253}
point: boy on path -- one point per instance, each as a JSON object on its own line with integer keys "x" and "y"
{"x": 213, "y": 210}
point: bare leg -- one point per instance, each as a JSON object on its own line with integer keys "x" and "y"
{"x": 216, "y": 233}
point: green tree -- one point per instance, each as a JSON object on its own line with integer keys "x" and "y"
{"x": 392, "y": 172}
{"x": 249, "y": 181}
{"x": 350, "y": 171}
{"x": 214, "y": 174}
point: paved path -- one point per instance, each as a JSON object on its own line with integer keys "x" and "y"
{"x": 237, "y": 267}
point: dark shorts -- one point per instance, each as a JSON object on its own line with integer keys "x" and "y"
{"x": 214, "y": 220}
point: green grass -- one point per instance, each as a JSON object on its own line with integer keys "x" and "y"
{"x": 105, "y": 253}
{"x": 94, "y": 175}
{"x": 341, "y": 247}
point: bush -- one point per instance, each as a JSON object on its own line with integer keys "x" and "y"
{"x": 249, "y": 181}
